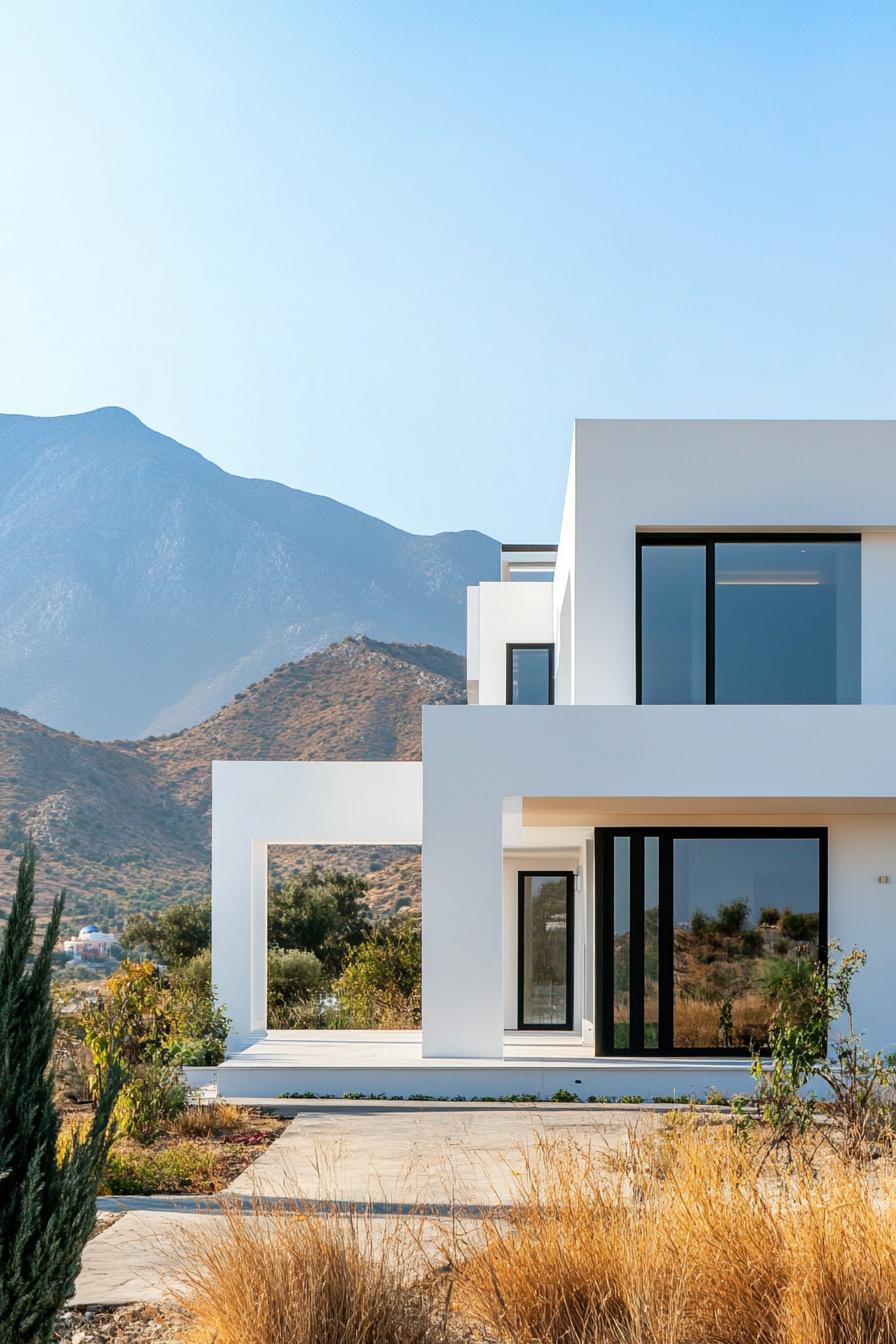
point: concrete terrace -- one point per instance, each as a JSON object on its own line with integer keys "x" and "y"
{"x": 333, "y": 1063}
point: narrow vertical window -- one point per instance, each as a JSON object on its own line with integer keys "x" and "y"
{"x": 530, "y": 674}
{"x": 622, "y": 949}
{"x": 545, "y": 949}
{"x": 673, "y": 625}
{"x": 651, "y": 942}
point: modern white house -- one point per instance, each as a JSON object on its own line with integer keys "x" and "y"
{"x": 674, "y": 781}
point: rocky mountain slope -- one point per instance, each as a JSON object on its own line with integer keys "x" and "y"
{"x": 141, "y": 586}
{"x": 125, "y": 825}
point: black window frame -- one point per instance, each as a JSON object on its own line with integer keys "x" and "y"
{"x": 508, "y": 687}
{"x": 570, "y": 877}
{"x": 603, "y": 850}
{"x": 709, "y": 541}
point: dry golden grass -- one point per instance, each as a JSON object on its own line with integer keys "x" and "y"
{"x": 688, "y": 1242}
{"x": 291, "y": 1278}
{"x": 692, "y": 1236}
{"x": 207, "y": 1121}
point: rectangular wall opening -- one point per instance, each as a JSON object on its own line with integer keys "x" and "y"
{"x": 326, "y": 907}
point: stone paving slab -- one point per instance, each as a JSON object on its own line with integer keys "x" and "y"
{"x": 388, "y": 1160}
{"x": 135, "y": 1260}
{"x": 420, "y": 1157}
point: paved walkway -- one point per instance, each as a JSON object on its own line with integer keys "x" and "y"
{"x": 384, "y": 1158}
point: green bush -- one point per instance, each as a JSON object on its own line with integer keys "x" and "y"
{"x": 200, "y": 1024}
{"x": 131, "y": 1028}
{"x": 860, "y": 1082}
{"x": 174, "y": 935}
{"x": 801, "y": 927}
{"x": 788, "y": 982}
{"x": 732, "y": 918}
{"x": 153, "y": 1096}
{"x": 148, "y": 1027}
{"x": 380, "y": 986}
{"x": 177, "y": 1169}
{"x": 321, "y": 911}
{"x": 292, "y": 974}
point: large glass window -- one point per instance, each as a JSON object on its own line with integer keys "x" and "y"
{"x": 545, "y": 949}
{"x": 704, "y": 933}
{"x": 746, "y": 915}
{"x": 730, "y": 620}
{"x": 530, "y": 674}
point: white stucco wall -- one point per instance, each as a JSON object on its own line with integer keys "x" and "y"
{"x": 735, "y": 763}
{"x": 879, "y": 617}
{"x": 509, "y": 613}
{"x": 713, "y": 475}
{"x": 473, "y": 645}
{"x": 565, "y": 593}
{"x": 257, "y": 803}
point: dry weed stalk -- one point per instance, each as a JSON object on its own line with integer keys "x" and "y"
{"x": 209, "y": 1119}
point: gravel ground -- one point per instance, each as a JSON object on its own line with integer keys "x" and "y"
{"x": 135, "y": 1324}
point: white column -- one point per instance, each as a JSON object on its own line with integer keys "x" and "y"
{"x": 233, "y": 873}
{"x": 259, "y": 956}
{"x": 462, "y": 905}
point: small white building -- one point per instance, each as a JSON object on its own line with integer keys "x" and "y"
{"x": 91, "y": 944}
{"x": 675, "y": 779}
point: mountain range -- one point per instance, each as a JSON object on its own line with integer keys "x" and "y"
{"x": 125, "y": 825}
{"x": 141, "y": 586}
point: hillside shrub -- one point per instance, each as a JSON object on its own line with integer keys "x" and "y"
{"x": 380, "y": 986}
{"x": 293, "y": 974}
{"x": 173, "y": 935}
{"x": 860, "y": 1083}
{"x": 321, "y": 911}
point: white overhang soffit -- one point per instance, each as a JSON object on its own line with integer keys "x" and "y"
{"x": 647, "y": 811}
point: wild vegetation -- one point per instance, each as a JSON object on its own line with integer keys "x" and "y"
{"x": 329, "y": 963}
{"x": 696, "y": 1235}
{"x": 694, "y": 1238}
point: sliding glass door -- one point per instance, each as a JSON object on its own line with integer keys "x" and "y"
{"x": 702, "y": 931}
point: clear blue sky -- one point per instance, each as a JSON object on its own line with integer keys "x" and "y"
{"x": 388, "y": 251}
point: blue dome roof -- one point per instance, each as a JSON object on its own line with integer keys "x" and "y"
{"x": 87, "y": 930}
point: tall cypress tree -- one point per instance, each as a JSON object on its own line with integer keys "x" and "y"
{"x": 47, "y": 1202}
